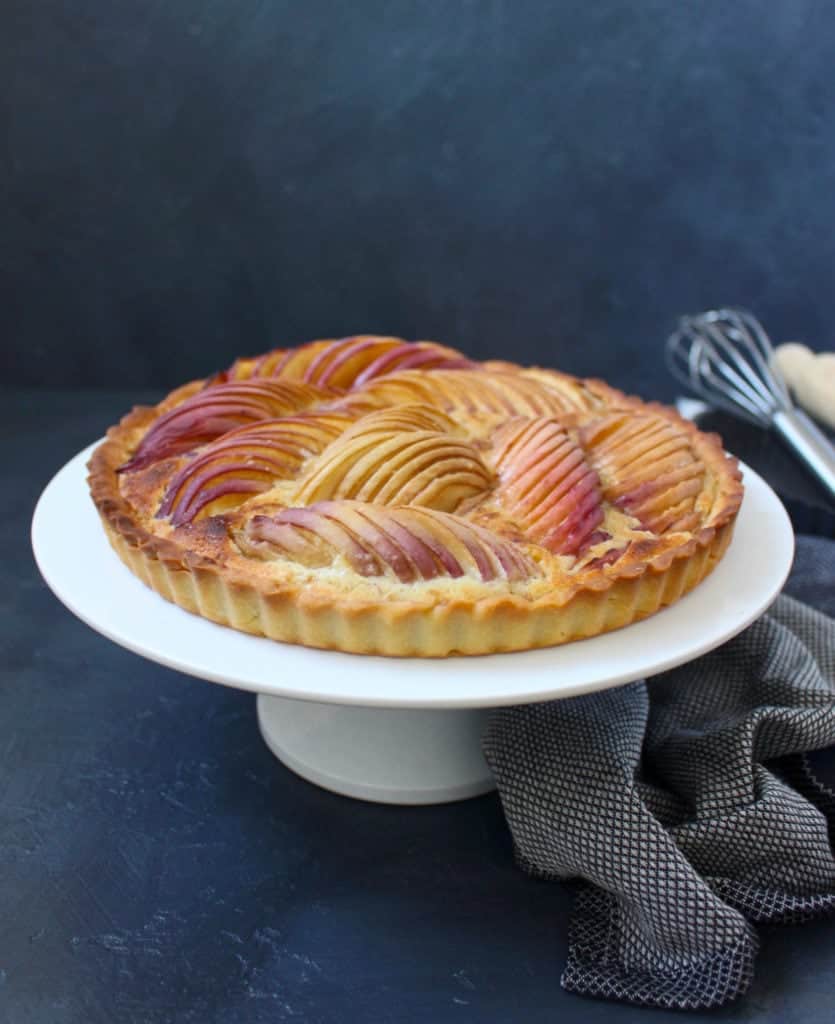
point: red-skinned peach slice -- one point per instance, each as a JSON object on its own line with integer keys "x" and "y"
{"x": 286, "y": 363}
{"x": 343, "y": 362}
{"x": 648, "y": 468}
{"x": 422, "y": 552}
{"x": 323, "y": 528}
{"x": 406, "y": 356}
{"x": 216, "y": 411}
{"x": 338, "y": 365}
{"x": 547, "y": 485}
{"x": 405, "y": 542}
{"x": 352, "y": 361}
{"x": 246, "y": 461}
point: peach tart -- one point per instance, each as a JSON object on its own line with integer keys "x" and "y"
{"x": 378, "y": 496}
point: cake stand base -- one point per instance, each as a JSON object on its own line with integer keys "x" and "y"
{"x": 390, "y": 756}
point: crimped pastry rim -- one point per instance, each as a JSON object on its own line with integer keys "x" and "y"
{"x": 491, "y": 624}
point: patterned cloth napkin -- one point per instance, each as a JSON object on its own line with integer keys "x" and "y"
{"x": 685, "y": 806}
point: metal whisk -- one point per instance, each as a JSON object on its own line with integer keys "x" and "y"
{"x": 725, "y": 357}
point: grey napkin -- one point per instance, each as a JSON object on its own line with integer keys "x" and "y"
{"x": 684, "y": 806}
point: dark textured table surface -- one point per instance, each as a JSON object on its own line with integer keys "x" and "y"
{"x": 158, "y": 864}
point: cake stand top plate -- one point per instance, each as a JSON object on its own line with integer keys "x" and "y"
{"x": 78, "y": 564}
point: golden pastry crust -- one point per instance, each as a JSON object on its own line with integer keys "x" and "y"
{"x": 383, "y": 497}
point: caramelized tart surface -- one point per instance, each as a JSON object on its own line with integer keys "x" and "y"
{"x": 379, "y": 496}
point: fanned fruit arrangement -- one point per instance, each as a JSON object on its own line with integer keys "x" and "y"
{"x": 385, "y": 497}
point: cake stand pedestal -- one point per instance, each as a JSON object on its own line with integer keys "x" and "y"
{"x": 396, "y": 730}
{"x": 417, "y": 756}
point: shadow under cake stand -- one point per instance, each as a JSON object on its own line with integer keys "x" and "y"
{"x": 396, "y": 730}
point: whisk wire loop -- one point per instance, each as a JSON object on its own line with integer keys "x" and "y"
{"x": 725, "y": 357}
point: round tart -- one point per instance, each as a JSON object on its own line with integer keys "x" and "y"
{"x": 385, "y": 497}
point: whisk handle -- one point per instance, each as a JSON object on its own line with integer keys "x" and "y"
{"x": 810, "y": 443}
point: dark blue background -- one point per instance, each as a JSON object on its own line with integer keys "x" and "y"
{"x": 555, "y": 181}
{"x": 185, "y": 180}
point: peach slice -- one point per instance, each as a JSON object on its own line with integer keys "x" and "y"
{"x": 547, "y": 485}
{"x": 648, "y": 468}
{"x": 395, "y": 467}
{"x": 469, "y": 391}
{"x": 296, "y": 532}
{"x": 402, "y": 418}
{"x": 288, "y": 363}
{"x": 365, "y": 356}
{"x": 217, "y": 410}
{"x": 342, "y": 362}
{"x": 409, "y": 356}
{"x": 246, "y": 461}
{"x": 338, "y": 365}
{"x": 574, "y": 393}
{"x": 403, "y": 542}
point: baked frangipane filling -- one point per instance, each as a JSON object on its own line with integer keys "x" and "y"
{"x": 385, "y": 497}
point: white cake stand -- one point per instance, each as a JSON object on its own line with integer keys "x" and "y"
{"x": 395, "y": 730}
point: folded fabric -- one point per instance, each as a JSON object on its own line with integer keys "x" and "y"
{"x": 685, "y": 805}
